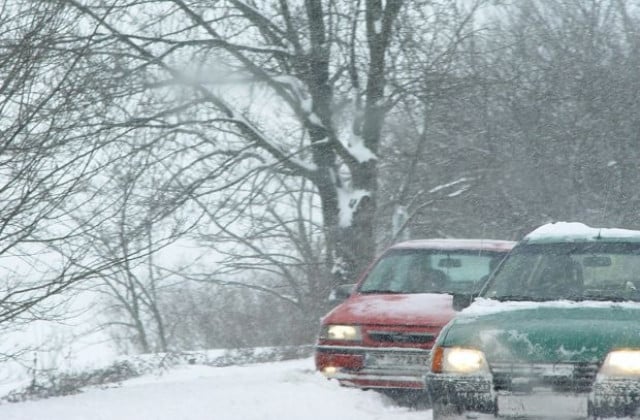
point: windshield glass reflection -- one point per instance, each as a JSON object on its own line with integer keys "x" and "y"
{"x": 429, "y": 271}
{"x": 576, "y": 271}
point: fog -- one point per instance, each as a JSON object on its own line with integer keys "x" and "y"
{"x": 181, "y": 176}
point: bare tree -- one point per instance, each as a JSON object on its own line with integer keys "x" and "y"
{"x": 43, "y": 164}
{"x": 143, "y": 223}
{"x": 322, "y": 66}
{"x": 426, "y": 167}
{"x": 278, "y": 252}
{"x": 544, "y": 127}
{"x": 572, "y": 112}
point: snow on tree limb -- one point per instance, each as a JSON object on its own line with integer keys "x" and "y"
{"x": 448, "y": 184}
{"x": 358, "y": 150}
{"x": 348, "y": 201}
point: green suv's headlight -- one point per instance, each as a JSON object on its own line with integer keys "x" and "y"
{"x": 458, "y": 360}
{"x": 622, "y": 363}
{"x": 341, "y": 332}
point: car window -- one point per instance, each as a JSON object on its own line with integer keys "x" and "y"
{"x": 600, "y": 271}
{"x": 429, "y": 271}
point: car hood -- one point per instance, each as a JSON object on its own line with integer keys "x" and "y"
{"x": 549, "y": 332}
{"x": 424, "y": 309}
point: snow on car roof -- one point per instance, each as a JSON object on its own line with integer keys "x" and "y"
{"x": 579, "y": 232}
{"x": 457, "y": 244}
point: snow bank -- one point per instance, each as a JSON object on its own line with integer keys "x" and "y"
{"x": 49, "y": 383}
{"x": 289, "y": 390}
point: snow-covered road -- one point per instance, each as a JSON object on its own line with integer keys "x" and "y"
{"x": 271, "y": 391}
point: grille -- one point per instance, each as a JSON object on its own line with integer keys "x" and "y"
{"x": 563, "y": 377}
{"x": 401, "y": 337}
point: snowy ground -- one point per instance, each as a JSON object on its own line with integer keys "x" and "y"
{"x": 278, "y": 391}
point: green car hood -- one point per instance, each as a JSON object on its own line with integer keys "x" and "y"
{"x": 549, "y": 332}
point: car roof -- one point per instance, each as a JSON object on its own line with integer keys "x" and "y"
{"x": 561, "y": 232}
{"x": 456, "y": 244}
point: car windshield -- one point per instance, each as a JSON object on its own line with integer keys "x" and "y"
{"x": 430, "y": 271}
{"x": 606, "y": 271}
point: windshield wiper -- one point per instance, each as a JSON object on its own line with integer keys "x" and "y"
{"x": 519, "y": 298}
{"x": 576, "y": 298}
{"x": 601, "y": 298}
{"x": 529, "y": 298}
{"x": 380, "y": 291}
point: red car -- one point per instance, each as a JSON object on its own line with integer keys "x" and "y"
{"x": 381, "y": 335}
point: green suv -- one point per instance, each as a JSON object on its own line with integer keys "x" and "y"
{"x": 555, "y": 332}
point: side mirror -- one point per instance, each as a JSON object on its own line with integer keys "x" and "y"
{"x": 340, "y": 293}
{"x": 461, "y": 301}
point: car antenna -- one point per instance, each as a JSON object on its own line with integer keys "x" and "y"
{"x": 604, "y": 212}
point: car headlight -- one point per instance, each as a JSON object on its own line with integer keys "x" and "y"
{"x": 458, "y": 360}
{"x": 341, "y": 332}
{"x": 622, "y": 363}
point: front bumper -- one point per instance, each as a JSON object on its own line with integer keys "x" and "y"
{"x": 608, "y": 398}
{"x": 373, "y": 367}
{"x": 468, "y": 393}
{"x": 616, "y": 397}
